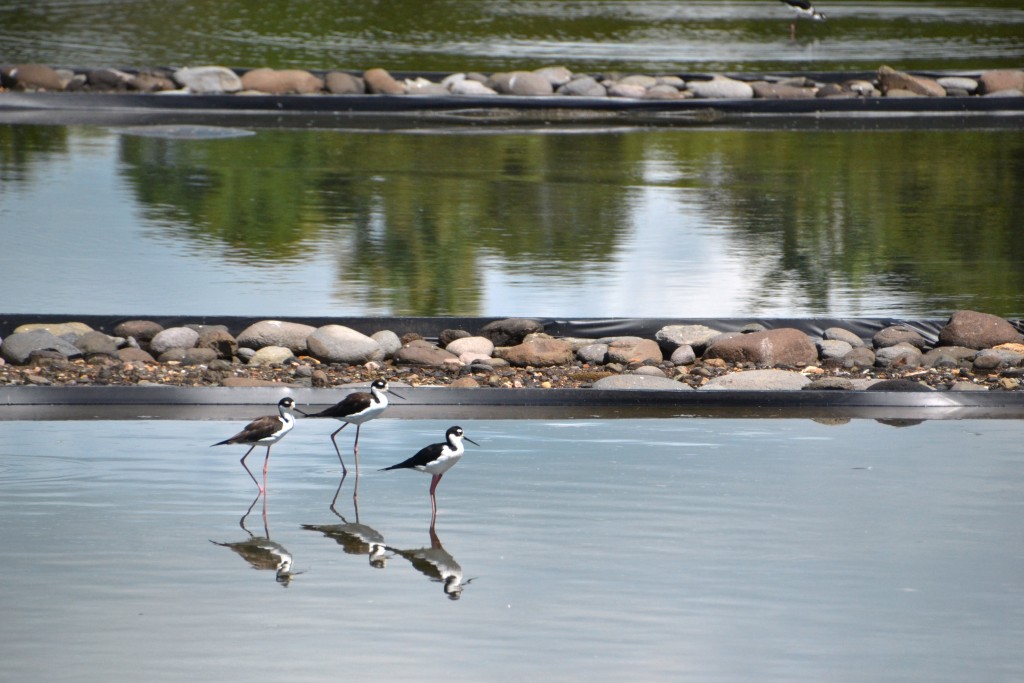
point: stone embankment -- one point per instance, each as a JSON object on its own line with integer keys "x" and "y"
{"x": 548, "y": 81}
{"x": 974, "y": 351}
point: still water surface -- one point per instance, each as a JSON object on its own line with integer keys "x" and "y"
{"x": 658, "y": 223}
{"x": 671, "y": 549}
{"x": 497, "y": 35}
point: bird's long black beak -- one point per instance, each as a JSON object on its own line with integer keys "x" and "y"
{"x": 390, "y": 391}
{"x": 471, "y": 441}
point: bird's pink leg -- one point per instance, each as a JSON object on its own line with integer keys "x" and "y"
{"x": 254, "y": 480}
{"x": 435, "y": 480}
{"x": 344, "y": 470}
{"x": 355, "y": 448}
{"x": 266, "y": 466}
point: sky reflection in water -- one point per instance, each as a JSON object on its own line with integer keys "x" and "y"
{"x": 668, "y": 549}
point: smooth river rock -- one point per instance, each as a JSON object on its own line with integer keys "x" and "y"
{"x": 276, "y": 333}
{"x": 783, "y": 346}
{"x": 759, "y": 380}
{"x": 173, "y": 338}
{"x": 641, "y": 382}
{"x": 976, "y": 330}
{"x": 18, "y": 348}
{"x": 340, "y": 344}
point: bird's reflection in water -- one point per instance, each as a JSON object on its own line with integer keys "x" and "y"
{"x": 437, "y": 564}
{"x": 355, "y": 538}
{"x": 261, "y": 552}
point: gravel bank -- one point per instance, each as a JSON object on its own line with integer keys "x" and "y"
{"x": 972, "y": 352}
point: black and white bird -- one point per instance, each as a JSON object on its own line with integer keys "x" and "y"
{"x": 356, "y": 408}
{"x": 437, "y": 458}
{"x": 804, "y": 10}
{"x": 264, "y": 431}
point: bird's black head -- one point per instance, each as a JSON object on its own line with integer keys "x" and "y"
{"x": 457, "y": 432}
{"x": 287, "y": 403}
{"x": 381, "y": 384}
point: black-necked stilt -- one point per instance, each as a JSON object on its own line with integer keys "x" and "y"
{"x": 356, "y": 408}
{"x": 804, "y": 10}
{"x": 437, "y": 458}
{"x": 264, "y": 431}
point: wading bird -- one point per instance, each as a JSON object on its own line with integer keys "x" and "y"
{"x": 437, "y": 458}
{"x": 356, "y": 408}
{"x": 264, "y": 431}
{"x": 804, "y": 10}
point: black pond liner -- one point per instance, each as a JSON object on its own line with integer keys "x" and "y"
{"x": 405, "y": 111}
{"x": 172, "y": 402}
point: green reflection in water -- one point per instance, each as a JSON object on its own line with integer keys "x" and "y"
{"x": 932, "y": 216}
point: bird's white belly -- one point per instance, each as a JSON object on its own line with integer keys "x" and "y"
{"x": 441, "y": 465}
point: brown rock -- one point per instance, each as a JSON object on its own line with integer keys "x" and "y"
{"x": 977, "y": 331}
{"x": 538, "y": 351}
{"x": 890, "y": 79}
{"x": 784, "y": 346}
{"x": 35, "y": 77}
{"x": 633, "y": 350}
{"x": 897, "y": 334}
{"x": 150, "y": 82}
{"x": 218, "y": 340}
{"x": 781, "y": 91}
{"x": 1002, "y": 79}
{"x": 341, "y": 83}
{"x": 380, "y": 82}
{"x": 523, "y": 83}
{"x": 96, "y": 344}
{"x": 281, "y": 82}
{"x": 133, "y": 355}
{"x": 140, "y": 330}
{"x": 860, "y": 357}
{"x": 510, "y": 331}
{"x": 421, "y": 352}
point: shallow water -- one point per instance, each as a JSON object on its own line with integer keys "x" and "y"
{"x": 670, "y": 549}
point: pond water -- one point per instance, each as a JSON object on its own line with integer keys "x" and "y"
{"x": 658, "y": 550}
{"x": 459, "y": 35}
{"x": 655, "y": 223}
{"x": 480, "y": 221}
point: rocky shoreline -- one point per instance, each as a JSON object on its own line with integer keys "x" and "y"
{"x": 973, "y": 351}
{"x": 543, "y": 82}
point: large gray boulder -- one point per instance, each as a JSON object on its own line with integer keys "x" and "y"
{"x": 340, "y": 344}
{"x": 173, "y": 338}
{"x": 19, "y": 347}
{"x": 276, "y": 333}
{"x": 696, "y": 336}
